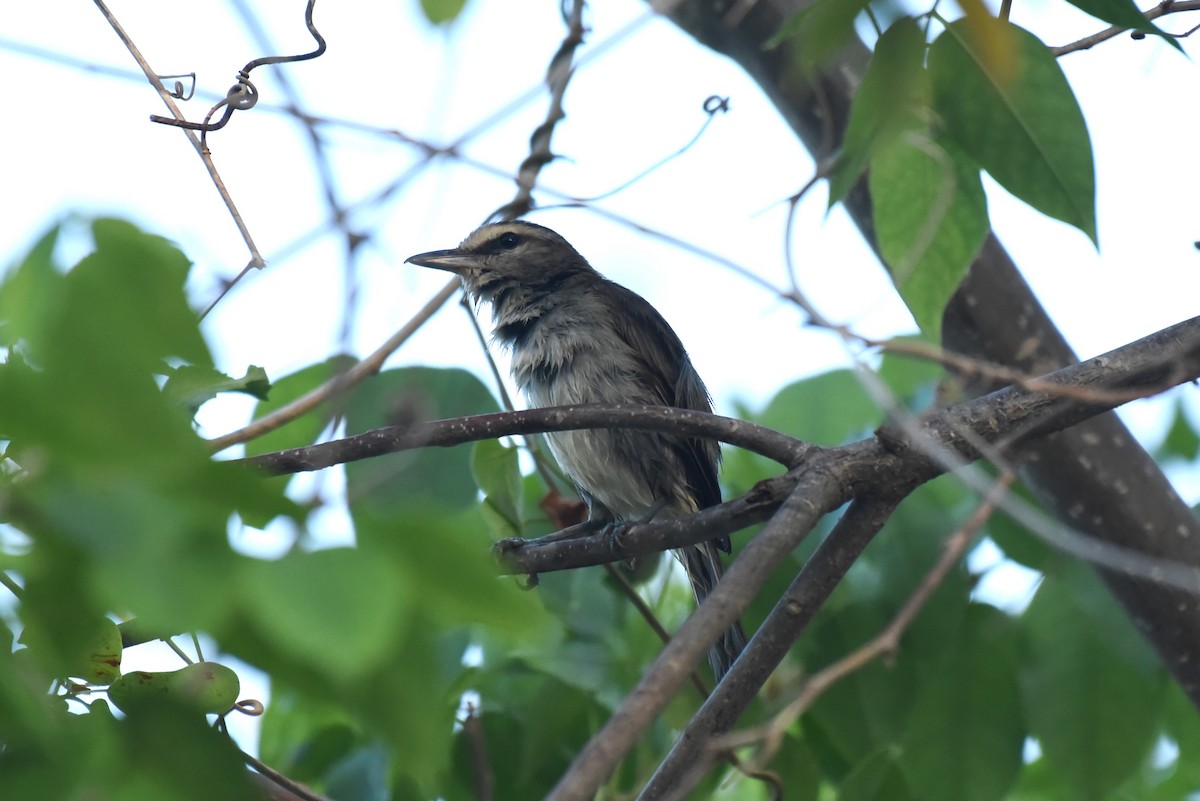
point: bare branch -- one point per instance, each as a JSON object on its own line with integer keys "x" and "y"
{"x": 1160, "y": 10}
{"x": 256, "y": 259}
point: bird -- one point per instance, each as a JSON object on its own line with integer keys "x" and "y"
{"x": 575, "y": 337}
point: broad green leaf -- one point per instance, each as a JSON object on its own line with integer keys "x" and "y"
{"x": 818, "y": 31}
{"x": 301, "y": 736}
{"x": 340, "y": 610}
{"x": 866, "y": 710}
{"x": 426, "y": 478}
{"x": 965, "y": 736}
{"x": 305, "y": 429}
{"x": 1019, "y": 543}
{"x": 930, "y": 221}
{"x": 361, "y": 776}
{"x": 191, "y": 386}
{"x": 893, "y": 95}
{"x": 1092, "y": 690}
{"x": 827, "y": 409}
{"x": 1019, "y": 120}
{"x": 131, "y": 288}
{"x": 1183, "y": 726}
{"x": 797, "y": 769}
{"x": 30, "y": 296}
{"x": 876, "y": 778}
{"x": 912, "y": 380}
{"x": 1124, "y": 14}
{"x": 442, "y": 11}
{"x": 498, "y": 475}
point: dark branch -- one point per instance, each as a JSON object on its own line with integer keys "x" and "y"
{"x": 456, "y": 431}
{"x": 828, "y": 479}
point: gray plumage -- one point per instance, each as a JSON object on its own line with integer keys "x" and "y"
{"x": 576, "y": 337}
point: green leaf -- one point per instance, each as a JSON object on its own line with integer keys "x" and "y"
{"x": 876, "y": 778}
{"x": 432, "y": 477}
{"x": 340, "y": 610}
{"x": 818, "y": 31}
{"x": 894, "y": 92}
{"x": 911, "y": 379}
{"x": 191, "y": 385}
{"x": 1004, "y": 99}
{"x": 866, "y": 710}
{"x": 442, "y": 11}
{"x": 498, "y": 475}
{"x": 1092, "y": 690}
{"x": 30, "y": 296}
{"x": 930, "y": 221}
{"x": 1123, "y": 14}
{"x": 1182, "y": 440}
{"x": 965, "y": 736}
{"x": 131, "y": 277}
{"x": 305, "y": 429}
{"x": 828, "y": 409}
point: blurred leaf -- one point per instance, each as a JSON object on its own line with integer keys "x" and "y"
{"x": 305, "y": 429}
{"x": 302, "y": 736}
{"x": 361, "y": 776}
{"x": 893, "y": 94}
{"x": 1092, "y": 690}
{"x": 828, "y": 409}
{"x": 1183, "y": 726}
{"x": 442, "y": 11}
{"x": 964, "y": 739}
{"x": 866, "y": 710}
{"x": 104, "y": 658}
{"x": 911, "y": 379}
{"x": 340, "y": 610}
{"x": 30, "y": 294}
{"x": 818, "y": 31}
{"x": 1020, "y": 121}
{"x": 498, "y": 474}
{"x": 797, "y": 769}
{"x": 876, "y": 778}
{"x": 1182, "y": 440}
{"x": 429, "y": 478}
{"x": 1019, "y": 544}
{"x": 930, "y": 221}
{"x": 191, "y": 386}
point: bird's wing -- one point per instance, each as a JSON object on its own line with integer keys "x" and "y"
{"x": 675, "y": 383}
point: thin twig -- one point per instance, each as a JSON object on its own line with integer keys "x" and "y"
{"x": 290, "y": 785}
{"x": 340, "y": 383}
{"x": 12, "y": 586}
{"x": 1160, "y": 10}
{"x": 256, "y": 259}
{"x": 643, "y": 609}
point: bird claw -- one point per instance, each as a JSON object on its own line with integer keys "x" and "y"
{"x": 614, "y": 533}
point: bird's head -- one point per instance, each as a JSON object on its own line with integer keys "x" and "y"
{"x": 501, "y": 258}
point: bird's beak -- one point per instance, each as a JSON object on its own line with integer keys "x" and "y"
{"x": 453, "y": 260}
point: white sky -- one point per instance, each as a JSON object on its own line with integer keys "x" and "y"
{"x": 81, "y": 142}
{"x": 76, "y": 141}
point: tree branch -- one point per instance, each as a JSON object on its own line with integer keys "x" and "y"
{"x": 695, "y": 751}
{"x": 1096, "y": 475}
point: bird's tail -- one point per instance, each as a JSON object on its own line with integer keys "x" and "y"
{"x": 703, "y": 566}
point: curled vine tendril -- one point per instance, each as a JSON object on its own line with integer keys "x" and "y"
{"x": 242, "y": 95}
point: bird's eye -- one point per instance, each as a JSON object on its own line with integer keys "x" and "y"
{"x": 508, "y": 240}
